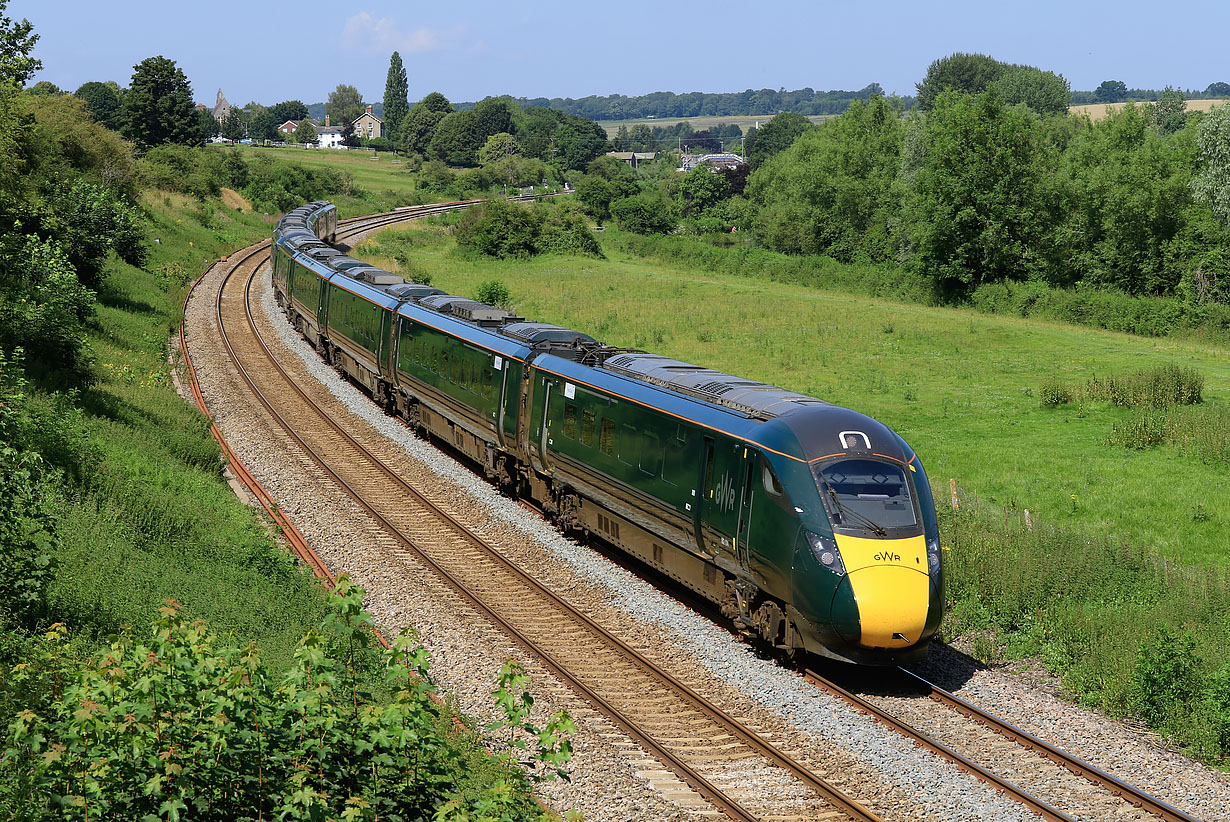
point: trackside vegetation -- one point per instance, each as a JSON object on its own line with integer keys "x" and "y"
{"x": 163, "y": 656}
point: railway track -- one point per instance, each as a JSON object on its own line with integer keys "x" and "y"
{"x": 693, "y": 738}
{"x": 707, "y": 749}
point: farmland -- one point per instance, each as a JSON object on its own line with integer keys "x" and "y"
{"x": 1097, "y": 111}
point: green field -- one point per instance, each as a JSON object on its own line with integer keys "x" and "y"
{"x": 381, "y": 175}
{"x": 962, "y": 387}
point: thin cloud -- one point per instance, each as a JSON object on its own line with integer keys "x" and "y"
{"x": 364, "y": 32}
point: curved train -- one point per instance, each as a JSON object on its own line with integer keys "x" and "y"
{"x": 811, "y": 526}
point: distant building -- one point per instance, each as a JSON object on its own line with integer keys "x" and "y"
{"x": 634, "y": 158}
{"x": 288, "y": 127}
{"x": 221, "y": 108}
{"x": 715, "y": 161}
{"x": 368, "y": 126}
{"x": 329, "y": 136}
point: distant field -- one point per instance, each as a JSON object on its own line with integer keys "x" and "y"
{"x": 1098, "y": 110}
{"x": 698, "y": 123}
{"x": 384, "y": 177}
{"x": 962, "y": 387}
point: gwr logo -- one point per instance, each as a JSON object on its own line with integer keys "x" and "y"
{"x": 885, "y": 556}
{"x": 724, "y": 494}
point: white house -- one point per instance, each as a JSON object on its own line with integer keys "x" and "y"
{"x": 329, "y": 136}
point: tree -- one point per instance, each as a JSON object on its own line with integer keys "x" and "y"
{"x": 495, "y": 115}
{"x": 436, "y": 102}
{"x": 456, "y": 140}
{"x": 262, "y": 123}
{"x": 348, "y": 138}
{"x": 498, "y": 147}
{"x": 16, "y": 41}
{"x": 305, "y": 134}
{"x": 1169, "y": 113}
{"x": 1044, "y": 91}
{"x": 158, "y": 107}
{"x": 206, "y": 125}
{"x": 774, "y": 136}
{"x": 595, "y": 195}
{"x": 396, "y": 103}
{"x": 979, "y": 209}
{"x": 701, "y": 189}
{"x": 102, "y": 101}
{"x": 288, "y": 110}
{"x": 1111, "y": 91}
{"x": 1217, "y": 90}
{"x": 234, "y": 126}
{"x": 419, "y": 128}
{"x": 834, "y": 191}
{"x": 344, "y": 105}
{"x": 1211, "y": 185}
{"x": 969, "y": 73}
{"x": 45, "y": 88}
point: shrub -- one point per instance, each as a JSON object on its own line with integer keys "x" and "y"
{"x": 1166, "y": 677}
{"x": 154, "y": 727}
{"x": 497, "y": 228}
{"x": 1159, "y": 387}
{"x": 44, "y": 306}
{"x": 645, "y": 214}
{"x": 494, "y": 292}
{"x": 1055, "y": 392}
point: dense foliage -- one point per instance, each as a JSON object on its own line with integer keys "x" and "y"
{"x": 506, "y": 230}
{"x": 158, "y": 106}
{"x": 179, "y": 725}
{"x": 805, "y": 101}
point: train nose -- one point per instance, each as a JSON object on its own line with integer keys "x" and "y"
{"x": 891, "y": 590}
{"x": 892, "y": 605}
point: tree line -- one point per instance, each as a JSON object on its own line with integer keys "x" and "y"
{"x": 988, "y": 180}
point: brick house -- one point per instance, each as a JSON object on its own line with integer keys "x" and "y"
{"x": 368, "y": 126}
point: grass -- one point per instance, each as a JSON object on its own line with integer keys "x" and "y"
{"x": 386, "y": 183}
{"x": 153, "y": 519}
{"x": 962, "y": 387}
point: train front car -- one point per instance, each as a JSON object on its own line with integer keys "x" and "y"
{"x": 867, "y": 582}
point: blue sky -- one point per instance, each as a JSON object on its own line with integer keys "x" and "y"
{"x": 275, "y": 50}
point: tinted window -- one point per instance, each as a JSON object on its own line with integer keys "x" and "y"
{"x": 607, "y": 444}
{"x": 865, "y": 494}
{"x": 571, "y": 425}
{"x": 587, "y": 427}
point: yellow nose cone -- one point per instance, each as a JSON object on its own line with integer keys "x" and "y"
{"x": 891, "y": 588}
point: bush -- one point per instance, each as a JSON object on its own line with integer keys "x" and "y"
{"x": 645, "y": 214}
{"x": 494, "y": 292}
{"x": 1159, "y": 387}
{"x": 500, "y": 229}
{"x": 44, "y": 306}
{"x": 1054, "y": 392}
{"x": 152, "y": 728}
{"x": 1165, "y": 678}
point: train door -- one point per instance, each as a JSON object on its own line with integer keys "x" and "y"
{"x": 722, "y": 475}
{"x": 746, "y": 502}
{"x": 703, "y": 481}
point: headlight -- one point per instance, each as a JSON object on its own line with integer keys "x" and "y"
{"x": 826, "y": 552}
{"x": 933, "y": 555}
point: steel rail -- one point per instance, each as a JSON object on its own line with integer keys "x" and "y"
{"x": 1117, "y": 787}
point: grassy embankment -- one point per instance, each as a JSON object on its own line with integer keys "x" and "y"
{"x": 155, "y": 520}
{"x": 1125, "y": 542}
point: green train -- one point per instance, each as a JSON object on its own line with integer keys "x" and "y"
{"x": 810, "y": 525}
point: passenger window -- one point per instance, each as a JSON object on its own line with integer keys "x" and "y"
{"x": 607, "y": 442}
{"x": 587, "y": 427}
{"x": 444, "y": 372}
{"x": 770, "y": 481}
{"x": 570, "y": 421}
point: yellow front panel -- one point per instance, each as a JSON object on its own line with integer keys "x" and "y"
{"x": 891, "y": 587}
